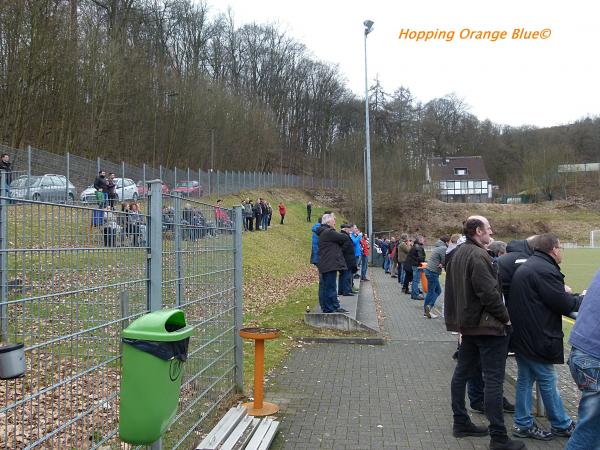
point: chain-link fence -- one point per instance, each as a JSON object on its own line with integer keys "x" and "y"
{"x": 72, "y": 277}
{"x": 81, "y": 172}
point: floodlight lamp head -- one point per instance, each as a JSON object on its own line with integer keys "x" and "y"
{"x": 368, "y": 26}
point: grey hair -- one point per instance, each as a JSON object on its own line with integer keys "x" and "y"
{"x": 327, "y": 218}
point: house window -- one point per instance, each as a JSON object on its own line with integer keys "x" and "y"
{"x": 460, "y": 171}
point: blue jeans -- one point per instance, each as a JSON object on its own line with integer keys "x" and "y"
{"x": 585, "y": 370}
{"x": 433, "y": 288}
{"x": 344, "y": 282}
{"x": 545, "y": 374}
{"x": 330, "y": 300}
{"x": 387, "y": 262}
{"x": 416, "y": 273}
{"x": 321, "y": 291}
{"x": 489, "y": 353}
{"x": 364, "y": 265}
{"x": 401, "y": 273}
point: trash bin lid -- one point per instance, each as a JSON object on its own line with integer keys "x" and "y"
{"x": 166, "y": 325}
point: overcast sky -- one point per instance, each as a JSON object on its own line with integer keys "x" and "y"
{"x": 541, "y": 82}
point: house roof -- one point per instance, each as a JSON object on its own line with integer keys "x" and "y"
{"x": 443, "y": 168}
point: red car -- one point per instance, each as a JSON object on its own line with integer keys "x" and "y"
{"x": 188, "y": 189}
{"x": 143, "y": 188}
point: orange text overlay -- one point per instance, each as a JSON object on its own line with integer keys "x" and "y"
{"x": 469, "y": 34}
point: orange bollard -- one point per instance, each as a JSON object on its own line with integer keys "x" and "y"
{"x": 259, "y": 407}
{"x": 423, "y": 266}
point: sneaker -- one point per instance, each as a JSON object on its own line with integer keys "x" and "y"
{"x": 433, "y": 316}
{"x": 428, "y": 312}
{"x": 468, "y": 429}
{"x": 341, "y": 310}
{"x": 507, "y": 406}
{"x": 564, "y": 432}
{"x": 420, "y": 297}
{"x": 505, "y": 443}
{"x": 533, "y": 432}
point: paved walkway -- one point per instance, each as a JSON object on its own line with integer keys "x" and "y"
{"x": 395, "y": 396}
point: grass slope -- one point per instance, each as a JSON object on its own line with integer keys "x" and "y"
{"x": 279, "y": 281}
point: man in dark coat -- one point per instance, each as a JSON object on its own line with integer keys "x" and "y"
{"x": 517, "y": 252}
{"x": 6, "y": 167}
{"x": 331, "y": 261}
{"x": 258, "y": 214}
{"x": 473, "y": 306}
{"x": 416, "y": 256}
{"x": 345, "y": 279}
{"x": 101, "y": 186}
{"x": 538, "y": 300}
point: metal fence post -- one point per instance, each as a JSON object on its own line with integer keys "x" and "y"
{"x": 3, "y": 259}
{"x": 175, "y": 182}
{"x": 218, "y": 187}
{"x": 238, "y": 299}
{"x": 122, "y": 181}
{"x": 28, "y": 172}
{"x": 156, "y": 246}
{"x": 209, "y": 180}
{"x": 67, "y": 175}
{"x": 177, "y": 237}
{"x": 97, "y": 165}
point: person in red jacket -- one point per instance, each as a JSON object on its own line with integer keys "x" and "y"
{"x": 364, "y": 255}
{"x": 282, "y": 211}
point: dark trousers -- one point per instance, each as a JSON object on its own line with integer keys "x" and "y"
{"x": 321, "y": 292}
{"x": 408, "y": 277}
{"x": 345, "y": 282}
{"x": 282, "y": 217}
{"x": 491, "y": 352}
{"x": 330, "y": 300}
{"x": 249, "y": 221}
{"x": 259, "y": 219}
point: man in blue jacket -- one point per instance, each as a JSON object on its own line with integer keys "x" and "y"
{"x": 584, "y": 363}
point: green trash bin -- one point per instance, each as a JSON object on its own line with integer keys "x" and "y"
{"x": 154, "y": 349}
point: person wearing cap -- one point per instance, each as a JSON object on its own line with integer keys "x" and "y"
{"x": 345, "y": 278}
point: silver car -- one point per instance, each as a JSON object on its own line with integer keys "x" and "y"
{"x": 43, "y": 188}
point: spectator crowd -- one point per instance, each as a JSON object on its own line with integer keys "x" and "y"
{"x": 507, "y": 300}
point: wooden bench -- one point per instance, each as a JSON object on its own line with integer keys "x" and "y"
{"x": 237, "y": 430}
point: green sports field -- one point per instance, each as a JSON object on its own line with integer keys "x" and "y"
{"x": 579, "y": 266}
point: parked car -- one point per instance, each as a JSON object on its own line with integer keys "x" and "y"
{"x": 188, "y": 188}
{"x": 126, "y": 189}
{"x": 143, "y": 188}
{"x": 43, "y": 188}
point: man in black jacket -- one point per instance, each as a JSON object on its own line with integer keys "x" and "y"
{"x": 331, "y": 260}
{"x": 473, "y": 306}
{"x": 416, "y": 256}
{"x": 517, "y": 252}
{"x": 538, "y": 300}
{"x": 345, "y": 279}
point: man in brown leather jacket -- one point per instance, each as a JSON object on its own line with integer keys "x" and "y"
{"x": 474, "y": 307}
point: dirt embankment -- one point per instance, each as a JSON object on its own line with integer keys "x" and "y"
{"x": 572, "y": 219}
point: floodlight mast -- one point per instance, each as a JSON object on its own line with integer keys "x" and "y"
{"x": 368, "y": 24}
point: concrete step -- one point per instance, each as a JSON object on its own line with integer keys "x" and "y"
{"x": 353, "y": 319}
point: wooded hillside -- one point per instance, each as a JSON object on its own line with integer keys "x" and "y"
{"x": 177, "y": 82}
